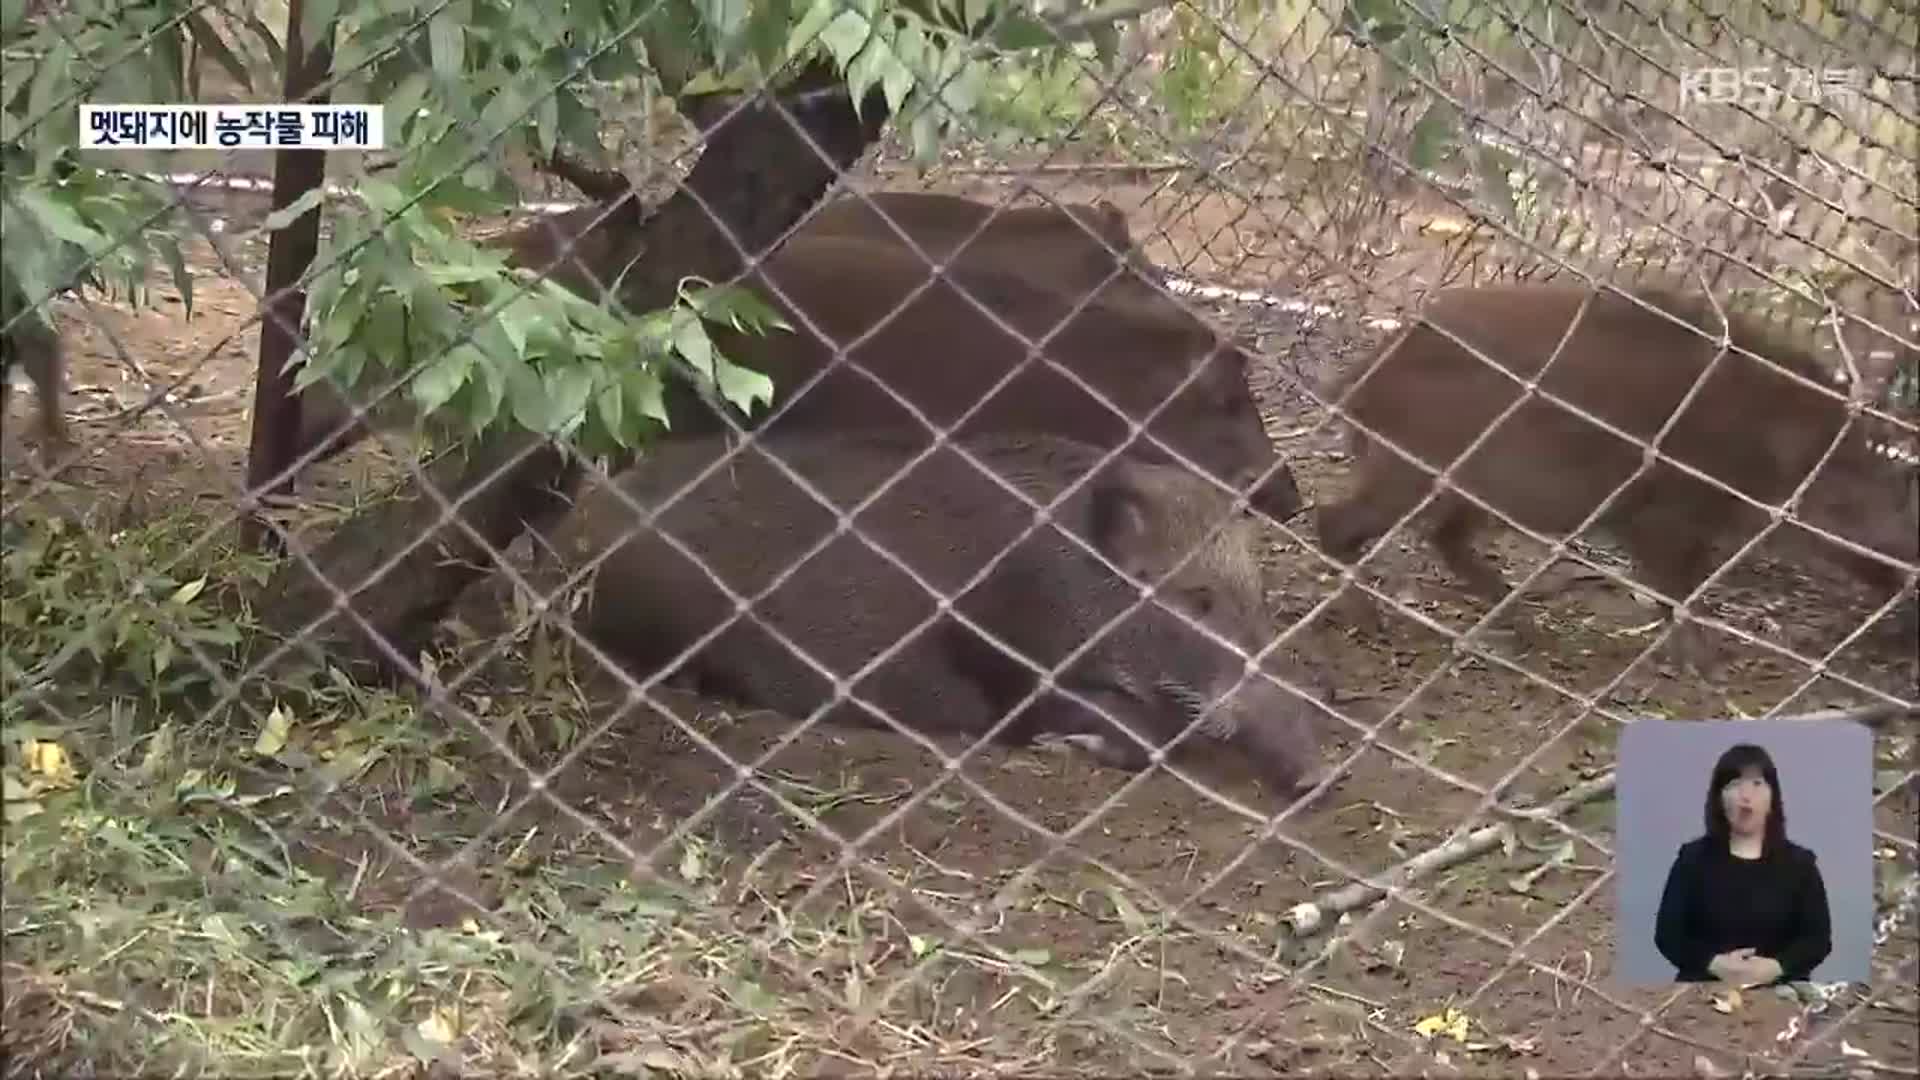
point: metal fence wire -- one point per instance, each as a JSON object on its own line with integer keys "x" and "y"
{"x": 712, "y": 756}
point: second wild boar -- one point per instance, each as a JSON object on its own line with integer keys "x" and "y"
{"x": 1751, "y": 427}
{"x": 936, "y": 348}
{"x": 1072, "y": 249}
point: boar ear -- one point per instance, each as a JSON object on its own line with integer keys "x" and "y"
{"x": 1118, "y": 512}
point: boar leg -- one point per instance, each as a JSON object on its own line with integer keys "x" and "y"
{"x": 37, "y": 347}
{"x": 1673, "y": 555}
{"x": 1386, "y": 489}
{"x": 1451, "y": 537}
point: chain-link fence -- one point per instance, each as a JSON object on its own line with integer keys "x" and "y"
{"x": 1132, "y": 550}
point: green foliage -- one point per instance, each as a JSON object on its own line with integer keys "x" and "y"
{"x": 475, "y": 344}
{"x": 81, "y": 606}
{"x": 1044, "y": 100}
{"x": 1203, "y": 83}
{"x": 63, "y": 220}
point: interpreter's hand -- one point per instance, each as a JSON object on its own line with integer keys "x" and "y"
{"x": 1760, "y": 970}
{"x": 1732, "y": 966}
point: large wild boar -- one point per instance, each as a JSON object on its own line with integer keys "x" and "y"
{"x": 748, "y": 523}
{"x": 1750, "y": 427}
{"x": 941, "y": 352}
{"x": 29, "y": 339}
{"x": 1072, "y": 249}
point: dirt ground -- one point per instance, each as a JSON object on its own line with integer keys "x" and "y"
{"x": 1218, "y": 988}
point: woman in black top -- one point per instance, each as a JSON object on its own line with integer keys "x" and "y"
{"x": 1744, "y": 904}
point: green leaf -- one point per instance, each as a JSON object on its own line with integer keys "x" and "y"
{"x": 868, "y": 68}
{"x": 519, "y": 320}
{"x": 58, "y": 219}
{"x": 741, "y": 386}
{"x": 1376, "y": 21}
{"x": 54, "y": 69}
{"x": 580, "y": 126}
{"x": 845, "y": 36}
{"x": 447, "y": 274}
{"x": 403, "y": 104}
{"x": 443, "y": 378}
{"x": 907, "y": 52}
{"x": 527, "y": 395}
{"x": 504, "y": 113}
{"x": 382, "y": 196}
{"x": 569, "y": 389}
{"x": 977, "y": 14}
{"x": 1019, "y": 31}
{"x": 690, "y": 340}
{"x": 645, "y": 394}
{"x": 185, "y": 594}
{"x": 924, "y": 135}
{"x": 287, "y": 214}
{"x": 546, "y": 122}
{"x": 1433, "y": 135}
{"x": 810, "y": 25}
{"x": 725, "y": 18}
{"x": 766, "y": 35}
{"x": 177, "y": 267}
{"x": 384, "y": 331}
{"x": 446, "y": 40}
{"x": 608, "y": 406}
{"x": 487, "y": 393}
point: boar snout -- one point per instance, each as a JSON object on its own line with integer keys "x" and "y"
{"x": 1263, "y": 722}
{"x": 1278, "y": 733}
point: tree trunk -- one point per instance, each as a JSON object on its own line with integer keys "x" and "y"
{"x": 758, "y": 174}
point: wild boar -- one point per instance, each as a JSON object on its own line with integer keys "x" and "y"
{"x": 946, "y": 520}
{"x": 938, "y": 349}
{"x": 29, "y": 339}
{"x": 1072, "y": 249}
{"x": 1757, "y": 430}
{"x": 941, "y": 352}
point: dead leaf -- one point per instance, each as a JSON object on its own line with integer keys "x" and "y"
{"x": 1130, "y": 916}
{"x": 273, "y": 733}
{"x": 1451, "y": 1023}
{"x": 441, "y": 1026}
{"x": 50, "y": 761}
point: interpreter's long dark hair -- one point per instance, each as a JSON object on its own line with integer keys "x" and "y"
{"x": 1738, "y": 759}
